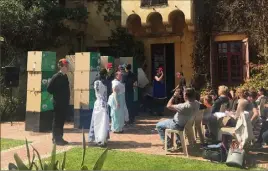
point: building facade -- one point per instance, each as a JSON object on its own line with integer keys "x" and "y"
{"x": 166, "y": 28}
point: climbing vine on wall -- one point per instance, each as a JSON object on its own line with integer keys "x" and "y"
{"x": 109, "y": 9}
{"x": 244, "y": 16}
{"x": 204, "y": 29}
{"x": 123, "y": 43}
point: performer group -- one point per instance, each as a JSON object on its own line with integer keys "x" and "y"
{"x": 114, "y": 105}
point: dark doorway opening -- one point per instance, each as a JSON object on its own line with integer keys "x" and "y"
{"x": 164, "y": 54}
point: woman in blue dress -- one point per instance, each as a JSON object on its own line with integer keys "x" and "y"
{"x": 117, "y": 103}
{"x": 159, "y": 89}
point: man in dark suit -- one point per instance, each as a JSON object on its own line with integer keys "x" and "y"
{"x": 59, "y": 88}
{"x": 129, "y": 79}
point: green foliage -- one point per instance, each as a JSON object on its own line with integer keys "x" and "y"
{"x": 10, "y": 143}
{"x": 124, "y": 44}
{"x": 36, "y": 23}
{"x": 8, "y": 107}
{"x": 2, "y": 39}
{"x": 238, "y": 16}
{"x": 84, "y": 148}
{"x": 201, "y": 55}
{"x": 98, "y": 165}
{"x": 110, "y": 10}
{"x": 33, "y": 25}
{"x": 257, "y": 80}
{"x": 53, "y": 164}
{"x": 249, "y": 17}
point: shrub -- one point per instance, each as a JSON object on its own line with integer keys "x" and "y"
{"x": 258, "y": 78}
{"x": 8, "y": 107}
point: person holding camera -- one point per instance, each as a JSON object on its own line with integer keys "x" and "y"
{"x": 159, "y": 90}
{"x": 184, "y": 112}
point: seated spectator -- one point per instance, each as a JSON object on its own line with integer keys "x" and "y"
{"x": 261, "y": 102}
{"x": 208, "y": 102}
{"x": 243, "y": 105}
{"x": 184, "y": 112}
{"x": 214, "y": 95}
{"x": 254, "y": 114}
{"x": 213, "y": 123}
{"x": 233, "y": 102}
{"x": 222, "y": 99}
{"x": 203, "y": 116}
{"x": 262, "y": 94}
{"x": 263, "y": 132}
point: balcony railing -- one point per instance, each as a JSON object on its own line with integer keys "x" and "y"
{"x": 152, "y": 3}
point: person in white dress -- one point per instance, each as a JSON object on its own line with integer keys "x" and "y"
{"x": 99, "y": 127}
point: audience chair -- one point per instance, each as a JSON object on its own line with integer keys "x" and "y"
{"x": 224, "y": 107}
{"x": 198, "y": 126}
{"x": 181, "y": 133}
{"x": 222, "y": 121}
{"x": 226, "y": 131}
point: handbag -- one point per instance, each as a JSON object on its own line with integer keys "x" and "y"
{"x": 236, "y": 156}
{"x": 216, "y": 153}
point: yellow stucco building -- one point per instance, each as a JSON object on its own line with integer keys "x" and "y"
{"x": 167, "y": 29}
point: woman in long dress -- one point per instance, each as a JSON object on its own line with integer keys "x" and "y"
{"x": 117, "y": 103}
{"x": 159, "y": 91}
{"x": 122, "y": 70}
{"x": 99, "y": 127}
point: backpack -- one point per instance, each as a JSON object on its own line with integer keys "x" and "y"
{"x": 215, "y": 152}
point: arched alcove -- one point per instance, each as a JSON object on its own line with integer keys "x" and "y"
{"x": 133, "y": 23}
{"x": 177, "y": 21}
{"x": 155, "y": 21}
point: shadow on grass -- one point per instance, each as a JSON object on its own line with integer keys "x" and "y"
{"x": 75, "y": 130}
{"x": 127, "y": 145}
{"x": 117, "y": 144}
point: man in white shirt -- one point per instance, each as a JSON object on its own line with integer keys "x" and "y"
{"x": 184, "y": 112}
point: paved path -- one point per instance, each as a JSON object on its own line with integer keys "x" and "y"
{"x": 139, "y": 138}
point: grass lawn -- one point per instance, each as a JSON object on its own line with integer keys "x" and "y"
{"x": 10, "y": 143}
{"x": 118, "y": 160}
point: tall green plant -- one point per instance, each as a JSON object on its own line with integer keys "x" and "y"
{"x": 54, "y": 164}
{"x": 125, "y": 44}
